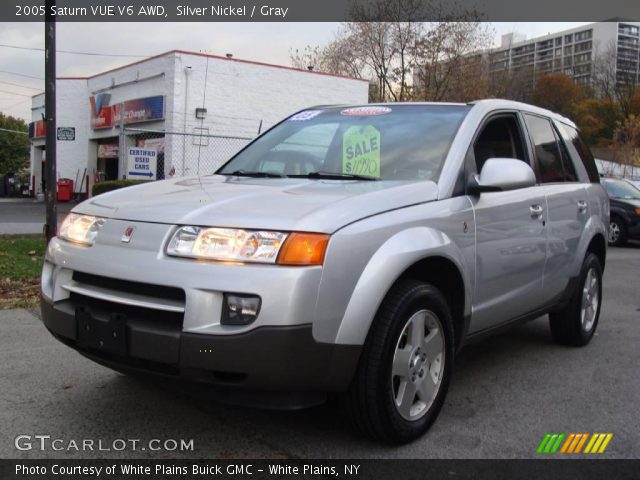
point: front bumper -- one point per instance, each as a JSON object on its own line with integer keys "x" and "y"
{"x": 634, "y": 231}
{"x": 277, "y": 358}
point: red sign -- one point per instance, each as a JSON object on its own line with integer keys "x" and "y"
{"x": 108, "y": 150}
{"x": 101, "y": 116}
{"x": 38, "y": 129}
{"x": 365, "y": 111}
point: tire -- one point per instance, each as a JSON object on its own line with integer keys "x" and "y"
{"x": 575, "y": 325}
{"x": 617, "y": 232}
{"x": 378, "y": 385}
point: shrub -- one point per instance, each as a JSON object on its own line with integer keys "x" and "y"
{"x": 110, "y": 185}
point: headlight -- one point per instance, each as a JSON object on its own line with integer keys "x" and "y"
{"x": 261, "y": 246}
{"x": 226, "y": 244}
{"x": 80, "y": 228}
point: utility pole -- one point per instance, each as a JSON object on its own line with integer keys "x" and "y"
{"x": 51, "y": 225}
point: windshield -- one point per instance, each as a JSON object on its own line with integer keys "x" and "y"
{"x": 396, "y": 142}
{"x": 621, "y": 189}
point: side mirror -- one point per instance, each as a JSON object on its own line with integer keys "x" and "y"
{"x": 501, "y": 174}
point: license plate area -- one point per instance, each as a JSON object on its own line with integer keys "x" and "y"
{"x": 107, "y": 334}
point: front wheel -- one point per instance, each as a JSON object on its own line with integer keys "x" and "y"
{"x": 576, "y": 323}
{"x": 406, "y": 365}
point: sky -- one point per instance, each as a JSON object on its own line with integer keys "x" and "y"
{"x": 264, "y": 42}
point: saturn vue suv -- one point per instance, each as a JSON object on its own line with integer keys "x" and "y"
{"x": 349, "y": 250}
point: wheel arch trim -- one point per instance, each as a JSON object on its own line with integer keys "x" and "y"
{"x": 389, "y": 263}
{"x": 593, "y": 227}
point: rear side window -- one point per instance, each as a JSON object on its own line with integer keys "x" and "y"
{"x": 546, "y": 148}
{"x": 570, "y": 174}
{"x": 572, "y": 136}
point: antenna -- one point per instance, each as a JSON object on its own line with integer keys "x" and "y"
{"x": 204, "y": 98}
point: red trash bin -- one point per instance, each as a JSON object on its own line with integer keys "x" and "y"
{"x": 65, "y": 189}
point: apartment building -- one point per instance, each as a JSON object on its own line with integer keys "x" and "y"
{"x": 572, "y": 52}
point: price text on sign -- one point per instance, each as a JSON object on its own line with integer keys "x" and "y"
{"x": 361, "y": 151}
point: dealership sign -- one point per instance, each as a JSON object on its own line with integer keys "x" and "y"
{"x": 101, "y": 111}
{"x": 142, "y": 163}
{"x": 139, "y": 110}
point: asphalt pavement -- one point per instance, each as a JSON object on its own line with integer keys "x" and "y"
{"x": 506, "y": 394}
{"x": 26, "y": 216}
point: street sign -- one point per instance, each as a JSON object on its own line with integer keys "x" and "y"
{"x": 66, "y": 134}
{"x": 142, "y": 163}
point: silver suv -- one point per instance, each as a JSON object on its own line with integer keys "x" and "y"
{"x": 350, "y": 249}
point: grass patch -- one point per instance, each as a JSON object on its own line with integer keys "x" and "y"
{"x": 21, "y": 260}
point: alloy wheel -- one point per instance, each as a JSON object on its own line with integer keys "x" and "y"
{"x": 614, "y": 232}
{"x": 590, "y": 300}
{"x": 418, "y": 365}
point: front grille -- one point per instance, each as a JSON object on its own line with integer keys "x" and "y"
{"x": 126, "y": 286}
{"x": 103, "y": 309}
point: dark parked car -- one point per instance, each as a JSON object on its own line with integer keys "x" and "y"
{"x": 624, "y": 210}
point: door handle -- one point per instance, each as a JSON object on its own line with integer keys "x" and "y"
{"x": 582, "y": 206}
{"x": 536, "y": 210}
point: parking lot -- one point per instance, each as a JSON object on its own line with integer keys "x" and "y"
{"x": 506, "y": 394}
{"x": 26, "y": 216}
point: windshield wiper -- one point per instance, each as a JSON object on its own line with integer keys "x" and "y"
{"x": 256, "y": 174}
{"x": 339, "y": 176}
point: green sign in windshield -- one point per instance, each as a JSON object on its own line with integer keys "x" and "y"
{"x": 361, "y": 151}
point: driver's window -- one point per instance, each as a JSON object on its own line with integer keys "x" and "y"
{"x": 499, "y": 138}
{"x": 303, "y": 152}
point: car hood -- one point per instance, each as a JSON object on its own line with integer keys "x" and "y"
{"x": 632, "y": 202}
{"x": 272, "y": 203}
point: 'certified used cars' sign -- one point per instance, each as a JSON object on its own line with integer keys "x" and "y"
{"x": 142, "y": 163}
{"x": 66, "y": 133}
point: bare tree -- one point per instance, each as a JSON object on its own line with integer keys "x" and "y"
{"x": 450, "y": 63}
{"x": 405, "y": 59}
{"x": 312, "y": 58}
{"x": 626, "y": 142}
{"x": 336, "y": 57}
{"x": 612, "y": 82}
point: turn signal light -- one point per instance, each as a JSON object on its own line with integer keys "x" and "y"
{"x": 303, "y": 249}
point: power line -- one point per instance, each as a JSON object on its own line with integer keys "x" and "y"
{"x": 21, "y": 86}
{"x": 21, "y": 75}
{"x": 8, "y": 108}
{"x": 73, "y": 52}
{"x": 14, "y": 93}
{"x": 14, "y": 131}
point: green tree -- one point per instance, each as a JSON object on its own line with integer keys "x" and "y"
{"x": 14, "y": 147}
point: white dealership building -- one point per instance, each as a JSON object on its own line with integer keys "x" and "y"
{"x": 190, "y": 110}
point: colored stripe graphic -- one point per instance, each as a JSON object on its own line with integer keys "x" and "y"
{"x": 581, "y": 443}
{"x": 550, "y": 443}
{"x": 573, "y": 443}
{"x": 567, "y": 443}
{"x": 598, "y": 443}
{"x": 593, "y": 439}
{"x": 556, "y": 445}
{"x": 607, "y": 439}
